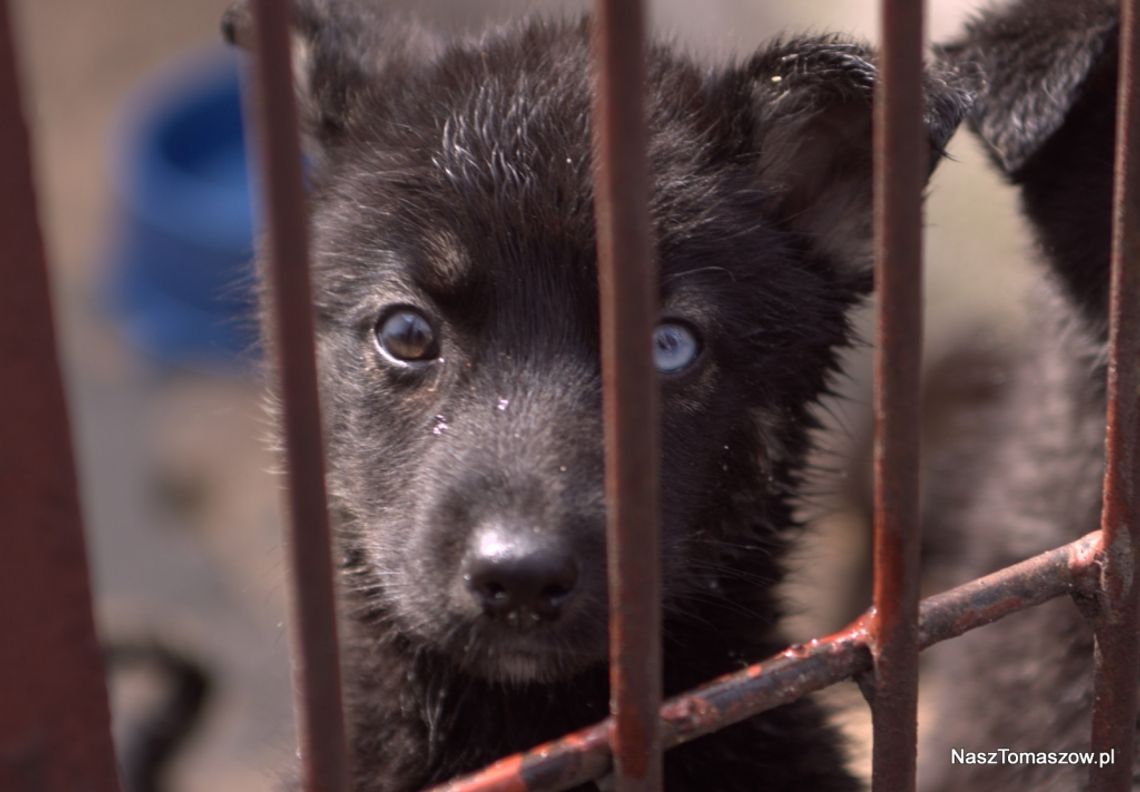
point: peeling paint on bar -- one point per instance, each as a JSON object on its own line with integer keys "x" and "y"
{"x": 1117, "y": 620}
{"x": 799, "y": 670}
{"x": 900, "y": 158}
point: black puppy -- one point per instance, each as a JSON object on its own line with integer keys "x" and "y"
{"x": 1031, "y": 477}
{"x": 456, "y": 293}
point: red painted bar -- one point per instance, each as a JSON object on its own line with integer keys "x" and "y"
{"x": 626, "y": 277}
{"x": 316, "y": 667}
{"x": 797, "y": 671}
{"x": 1117, "y": 624}
{"x": 900, "y": 149}
{"x": 55, "y": 727}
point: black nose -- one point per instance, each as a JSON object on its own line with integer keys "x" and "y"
{"x": 519, "y": 577}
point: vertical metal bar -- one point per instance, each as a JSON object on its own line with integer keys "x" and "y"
{"x": 316, "y": 667}
{"x": 900, "y": 151}
{"x": 1117, "y": 624}
{"x": 627, "y": 283}
{"x": 55, "y": 728}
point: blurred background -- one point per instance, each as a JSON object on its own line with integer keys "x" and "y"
{"x": 133, "y": 109}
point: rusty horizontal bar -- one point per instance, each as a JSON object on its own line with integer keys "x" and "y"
{"x": 313, "y": 629}
{"x": 798, "y": 670}
{"x": 55, "y": 727}
{"x": 1069, "y": 569}
{"x": 627, "y": 292}
{"x": 1117, "y": 622}
{"x": 900, "y": 155}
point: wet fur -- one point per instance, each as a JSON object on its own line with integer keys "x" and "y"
{"x": 457, "y": 177}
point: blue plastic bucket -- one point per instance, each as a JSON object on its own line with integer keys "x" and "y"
{"x": 181, "y": 280}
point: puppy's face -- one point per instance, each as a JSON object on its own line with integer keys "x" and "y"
{"x": 456, "y": 288}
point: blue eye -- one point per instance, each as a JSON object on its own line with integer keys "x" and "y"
{"x": 675, "y": 347}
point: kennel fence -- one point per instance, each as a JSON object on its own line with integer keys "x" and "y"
{"x": 54, "y": 720}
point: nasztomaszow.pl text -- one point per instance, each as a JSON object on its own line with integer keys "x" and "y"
{"x": 1008, "y": 756}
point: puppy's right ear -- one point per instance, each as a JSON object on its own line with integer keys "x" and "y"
{"x": 343, "y": 51}
{"x": 807, "y": 118}
{"x": 1031, "y": 62}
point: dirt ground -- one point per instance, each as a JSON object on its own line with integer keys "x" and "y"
{"x": 182, "y": 515}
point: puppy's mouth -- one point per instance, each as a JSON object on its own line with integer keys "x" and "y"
{"x": 536, "y": 656}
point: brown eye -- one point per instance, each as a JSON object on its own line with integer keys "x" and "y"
{"x": 406, "y": 335}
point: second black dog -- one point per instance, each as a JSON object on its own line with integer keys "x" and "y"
{"x": 1028, "y": 478}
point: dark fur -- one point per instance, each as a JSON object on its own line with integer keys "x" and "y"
{"x": 1029, "y": 477}
{"x": 456, "y": 178}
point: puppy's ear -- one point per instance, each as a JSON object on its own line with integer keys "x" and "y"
{"x": 810, "y": 106}
{"x": 1046, "y": 74}
{"x": 1032, "y": 61}
{"x": 343, "y": 51}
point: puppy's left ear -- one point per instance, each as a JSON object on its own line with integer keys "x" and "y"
{"x": 810, "y": 113}
{"x": 343, "y": 53}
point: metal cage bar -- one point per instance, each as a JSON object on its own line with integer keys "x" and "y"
{"x": 1117, "y": 621}
{"x": 900, "y": 157}
{"x": 626, "y": 272}
{"x": 55, "y": 727}
{"x": 313, "y": 628}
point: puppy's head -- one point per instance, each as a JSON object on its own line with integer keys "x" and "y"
{"x": 456, "y": 293}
